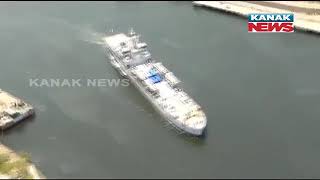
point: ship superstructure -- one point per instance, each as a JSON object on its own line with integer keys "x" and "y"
{"x": 133, "y": 60}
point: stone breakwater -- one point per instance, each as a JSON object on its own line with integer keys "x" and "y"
{"x": 307, "y": 13}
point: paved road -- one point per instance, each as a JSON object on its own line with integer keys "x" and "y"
{"x": 288, "y": 7}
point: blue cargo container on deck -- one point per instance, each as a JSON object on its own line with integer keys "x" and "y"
{"x": 152, "y": 72}
{"x": 155, "y": 78}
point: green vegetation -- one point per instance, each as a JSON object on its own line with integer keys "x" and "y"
{"x": 25, "y": 156}
{"x": 16, "y": 169}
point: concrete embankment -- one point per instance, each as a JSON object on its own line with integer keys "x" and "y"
{"x": 13, "y": 166}
{"x": 307, "y": 14}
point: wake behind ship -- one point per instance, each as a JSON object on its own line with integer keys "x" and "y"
{"x": 156, "y": 83}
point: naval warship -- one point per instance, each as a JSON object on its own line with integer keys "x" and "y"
{"x": 132, "y": 59}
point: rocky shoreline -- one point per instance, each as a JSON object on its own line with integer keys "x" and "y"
{"x": 16, "y": 166}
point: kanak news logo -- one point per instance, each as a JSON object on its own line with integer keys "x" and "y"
{"x": 273, "y": 23}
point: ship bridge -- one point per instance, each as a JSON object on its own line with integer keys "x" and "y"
{"x": 133, "y": 51}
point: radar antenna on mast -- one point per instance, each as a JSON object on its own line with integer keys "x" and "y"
{"x": 131, "y": 32}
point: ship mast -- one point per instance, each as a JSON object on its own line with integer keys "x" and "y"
{"x": 131, "y": 32}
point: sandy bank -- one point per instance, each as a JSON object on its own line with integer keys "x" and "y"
{"x": 15, "y": 165}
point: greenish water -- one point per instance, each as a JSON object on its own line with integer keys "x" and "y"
{"x": 261, "y": 93}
